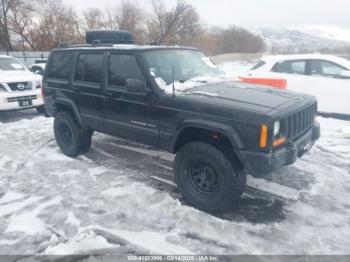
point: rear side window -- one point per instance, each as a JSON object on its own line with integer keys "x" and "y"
{"x": 121, "y": 68}
{"x": 61, "y": 64}
{"x": 89, "y": 68}
{"x": 297, "y": 67}
{"x": 260, "y": 64}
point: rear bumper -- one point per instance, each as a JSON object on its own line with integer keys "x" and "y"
{"x": 260, "y": 164}
{"x": 10, "y": 100}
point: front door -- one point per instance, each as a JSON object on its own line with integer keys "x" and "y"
{"x": 127, "y": 113}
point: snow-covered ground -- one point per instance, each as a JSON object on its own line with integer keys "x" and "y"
{"x": 119, "y": 198}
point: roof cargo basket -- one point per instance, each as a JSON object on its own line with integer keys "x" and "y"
{"x": 109, "y": 37}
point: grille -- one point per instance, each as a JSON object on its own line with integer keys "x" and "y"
{"x": 20, "y": 86}
{"x": 17, "y": 98}
{"x": 301, "y": 121}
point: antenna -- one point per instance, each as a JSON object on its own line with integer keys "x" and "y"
{"x": 173, "y": 72}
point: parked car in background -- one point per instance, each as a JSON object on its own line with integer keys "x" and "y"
{"x": 19, "y": 88}
{"x": 39, "y": 66}
{"x": 326, "y": 77}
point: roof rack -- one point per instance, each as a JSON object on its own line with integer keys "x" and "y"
{"x": 69, "y": 45}
{"x": 106, "y": 38}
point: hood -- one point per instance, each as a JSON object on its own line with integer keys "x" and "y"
{"x": 244, "y": 96}
{"x": 18, "y": 76}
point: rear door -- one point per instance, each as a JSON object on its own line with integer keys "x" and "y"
{"x": 87, "y": 85}
{"x": 331, "y": 89}
{"x": 127, "y": 113}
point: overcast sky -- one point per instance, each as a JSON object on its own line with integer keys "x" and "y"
{"x": 256, "y": 13}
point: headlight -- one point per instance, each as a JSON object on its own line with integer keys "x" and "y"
{"x": 276, "y": 128}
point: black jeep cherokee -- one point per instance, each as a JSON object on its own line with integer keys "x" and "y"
{"x": 175, "y": 99}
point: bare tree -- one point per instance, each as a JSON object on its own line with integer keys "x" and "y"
{"x": 237, "y": 40}
{"x": 21, "y": 22}
{"x": 93, "y": 18}
{"x": 126, "y": 16}
{"x": 58, "y": 23}
{"x": 165, "y": 24}
{"x": 6, "y": 6}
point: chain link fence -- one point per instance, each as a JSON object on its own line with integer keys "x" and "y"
{"x": 27, "y": 58}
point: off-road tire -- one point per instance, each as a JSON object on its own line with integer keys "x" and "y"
{"x": 85, "y": 142}
{"x": 68, "y": 134}
{"x": 229, "y": 183}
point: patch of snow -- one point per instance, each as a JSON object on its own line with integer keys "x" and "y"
{"x": 9, "y": 209}
{"x": 72, "y": 219}
{"x": 180, "y": 87}
{"x": 11, "y": 196}
{"x": 155, "y": 242}
{"x": 29, "y": 223}
{"x": 272, "y": 188}
{"x": 9, "y": 242}
{"x": 84, "y": 242}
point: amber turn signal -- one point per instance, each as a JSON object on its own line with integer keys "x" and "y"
{"x": 279, "y": 142}
{"x": 263, "y": 136}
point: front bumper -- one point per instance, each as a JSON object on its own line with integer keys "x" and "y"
{"x": 260, "y": 164}
{"x": 11, "y": 100}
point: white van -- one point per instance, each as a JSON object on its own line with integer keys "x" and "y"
{"x": 19, "y": 88}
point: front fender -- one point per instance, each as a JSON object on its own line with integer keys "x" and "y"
{"x": 227, "y": 131}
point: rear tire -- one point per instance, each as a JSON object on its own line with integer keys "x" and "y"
{"x": 68, "y": 134}
{"x": 206, "y": 178}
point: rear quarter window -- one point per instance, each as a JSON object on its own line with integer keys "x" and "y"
{"x": 260, "y": 64}
{"x": 60, "y": 66}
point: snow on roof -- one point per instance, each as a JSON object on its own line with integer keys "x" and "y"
{"x": 335, "y": 59}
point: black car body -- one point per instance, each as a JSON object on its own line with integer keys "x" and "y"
{"x": 124, "y": 99}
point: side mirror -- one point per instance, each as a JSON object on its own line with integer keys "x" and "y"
{"x": 345, "y": 73}
{"x": 135, "y": 85}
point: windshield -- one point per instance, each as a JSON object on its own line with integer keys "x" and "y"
{"x": 10, "y": 64}
{"x": 186, "y": 65}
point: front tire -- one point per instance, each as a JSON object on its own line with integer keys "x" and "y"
{"x": 206, "y": 178}
{"x": 68, "y": 134}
